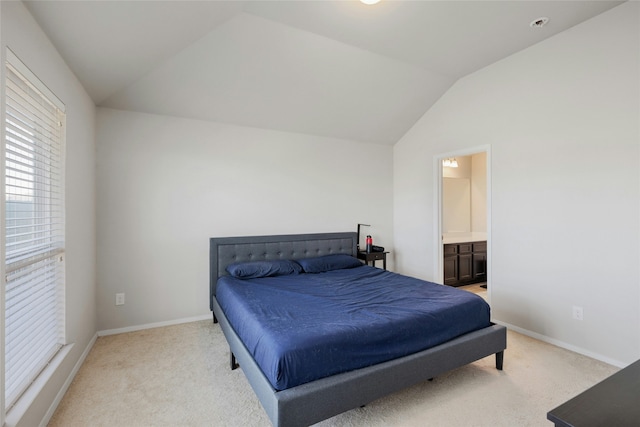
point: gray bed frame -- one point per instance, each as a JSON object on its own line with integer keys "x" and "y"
{"x": 321, "y": 399}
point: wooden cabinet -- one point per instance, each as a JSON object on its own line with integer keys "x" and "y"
{"x": 450, "y": 270}
{"x": 465, "y": 263}
{"x": 465, "y": 267}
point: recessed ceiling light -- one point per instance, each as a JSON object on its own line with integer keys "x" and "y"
{"x": 369, "y": 1}
{"x": 539, "y": 23}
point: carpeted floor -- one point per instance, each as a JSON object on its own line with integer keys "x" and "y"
{"x": 179, "y": 376}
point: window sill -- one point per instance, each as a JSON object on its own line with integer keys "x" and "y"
{"x": 15, "y": 415}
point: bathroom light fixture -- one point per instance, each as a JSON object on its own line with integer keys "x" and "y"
{"x": 369, "y": 2}
{"x": 450, "y": 163}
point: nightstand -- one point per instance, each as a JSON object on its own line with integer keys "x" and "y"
{"x": 373, "y": 257}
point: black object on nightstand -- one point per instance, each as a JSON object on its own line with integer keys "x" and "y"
{"x": 373, "y": 257}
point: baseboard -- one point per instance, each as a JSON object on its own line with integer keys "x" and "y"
{"x": 562, "y": 344}
{"x": 54, "y": 405}
{"x": 67, "y": 383}
{"x": 154, "y": 325}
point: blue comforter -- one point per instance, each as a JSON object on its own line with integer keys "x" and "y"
{"x": 300, "y": 328}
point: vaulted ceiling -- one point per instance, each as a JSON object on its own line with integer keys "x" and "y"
{"x": 338, "y": 69}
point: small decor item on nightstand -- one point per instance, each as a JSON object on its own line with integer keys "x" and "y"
{"x": 375, "y": 248}
{"x": 369, "y": 244}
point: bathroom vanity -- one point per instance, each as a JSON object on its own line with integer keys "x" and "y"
{"x": 465, "y": 259}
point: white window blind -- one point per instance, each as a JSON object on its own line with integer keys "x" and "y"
{"x": 34, "y": 229}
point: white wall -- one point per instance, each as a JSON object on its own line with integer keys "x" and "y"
{"x": 456, "y": 205}
{"x": 166, "y": 185}
{"x": 21, "y": 33}
{"x": 562, "y": 120}
{"x": 479, "y": 193}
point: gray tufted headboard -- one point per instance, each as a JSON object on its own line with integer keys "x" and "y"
{"x": 227, "y": 250}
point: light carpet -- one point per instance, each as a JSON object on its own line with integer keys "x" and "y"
{"x": 179, "y": 376}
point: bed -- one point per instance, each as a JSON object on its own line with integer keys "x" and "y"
{"x": 340, "y": 386}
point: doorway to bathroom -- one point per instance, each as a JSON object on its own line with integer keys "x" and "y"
{"x": 463, "y": 219}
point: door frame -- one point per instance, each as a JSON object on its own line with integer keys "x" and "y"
{"x": 437, "y": 214}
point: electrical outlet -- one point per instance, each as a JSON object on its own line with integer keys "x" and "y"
{"x": 577, "y": 313}
{"x": 119, "y": 299}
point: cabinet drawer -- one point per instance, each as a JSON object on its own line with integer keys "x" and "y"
{"x": 480, "y": 247}
{"x": 375, "y": 255}
{"x": 464, "y": 248}
{"x": 450, "y": 250}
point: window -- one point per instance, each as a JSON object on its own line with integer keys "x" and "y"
{"x": 34, "y": 227}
